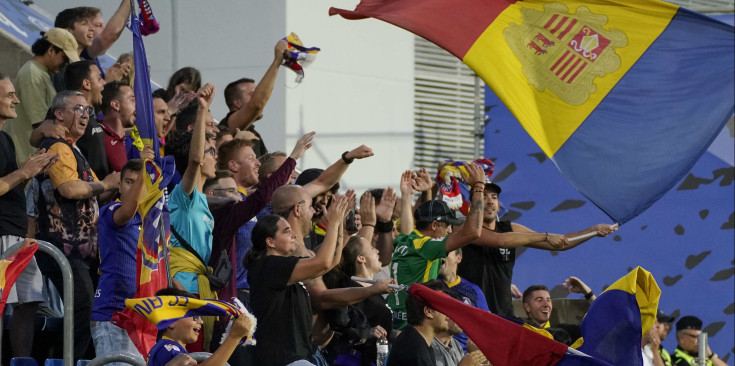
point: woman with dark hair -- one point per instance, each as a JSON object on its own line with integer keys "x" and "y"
{"x": 279, "y": 300}
{"x": 361, "y": 259}
{"x": 184, "y": 80}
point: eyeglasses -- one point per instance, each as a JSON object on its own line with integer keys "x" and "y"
{"x": 211, "y": 150}
{"x": 297, "y": 204}
{"x": 226, "y": 190}
{"x": 80, "y": 110}
{"x": 196, "y": 318}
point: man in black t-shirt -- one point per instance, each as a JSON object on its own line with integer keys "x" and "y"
{"x": 27, "y": 291}
{"x": 489, "y": 261}
{"x": 413, "y": 345}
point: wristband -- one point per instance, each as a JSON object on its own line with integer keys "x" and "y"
{"x": 384, "y": 227}
{"x": 344, "y": 158}
{"x": 482, "y": 185}
{"x": 589, "y": 295}
{"x": 478, "y": 190}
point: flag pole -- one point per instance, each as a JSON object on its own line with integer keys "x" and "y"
{"x": 578, "y": 353}
{"x": 588, "y": 235}
{"x": 393, "y": 286}
{"x": 478, "y": 118}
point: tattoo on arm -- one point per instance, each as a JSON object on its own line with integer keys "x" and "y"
{"x": 97, "y": 189}
{"x": 476, "y": 213}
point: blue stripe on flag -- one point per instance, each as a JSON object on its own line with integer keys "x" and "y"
{"x": 680, "y": 103}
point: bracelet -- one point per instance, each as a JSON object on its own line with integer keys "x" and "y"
{"x": 369, "y": 225}
{"x": 589, "y": 295}
{"x": 546, "y": 239}
{"x": 482, "y": 185}
{"x": 333, "y": 229}
{"x": 384, "y": 227}
{"x": 345, "y": 159}
{"x": 478, "y": 190}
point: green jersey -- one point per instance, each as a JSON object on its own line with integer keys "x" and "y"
{"x": 415, "y": 260}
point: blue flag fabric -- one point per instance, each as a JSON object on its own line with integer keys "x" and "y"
{"x": 144, "y": 118}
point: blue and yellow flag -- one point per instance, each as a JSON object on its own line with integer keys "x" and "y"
{"x": 152, "y": 274}
{"x": 617, "y": 320}
{"x": 163, "y": 311}
{"x": 622, "y": 95}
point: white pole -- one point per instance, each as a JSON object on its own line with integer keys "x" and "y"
{"x": 360, "y": 279}
{"x": 588, "y": 235}
{"x": 702, "y": 359}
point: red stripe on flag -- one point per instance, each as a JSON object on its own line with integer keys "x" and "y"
{"x": 551, "y": 21}
{"x": 559, "y": 60}
{"x": 564, "y": 67}
{"x": 571, "y": 68}
{"x": 576, "y": 73}
{"x": 559, "y": 25}
{"x": 568, "y": 28}
{"x": 452, "y": 27}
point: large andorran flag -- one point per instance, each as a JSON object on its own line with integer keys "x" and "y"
{"x": 623, "y": 95}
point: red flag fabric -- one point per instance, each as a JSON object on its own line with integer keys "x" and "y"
{"x": 10, "y": 269}
{"x": 502, "y": 341}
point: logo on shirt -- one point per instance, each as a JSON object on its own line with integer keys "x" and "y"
{"x": 170, "y": 347}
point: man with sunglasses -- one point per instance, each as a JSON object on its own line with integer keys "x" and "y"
{"x": 68, "y": 210}
{"x": 688, "y": 329}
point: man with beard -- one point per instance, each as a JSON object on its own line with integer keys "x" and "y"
{"x": 118, "y": 106}
{"x": 489, "y": 263}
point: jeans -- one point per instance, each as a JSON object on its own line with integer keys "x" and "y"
{"x": 111, "y": 339}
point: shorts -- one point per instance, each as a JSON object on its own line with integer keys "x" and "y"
{"x": 29, "y": 285}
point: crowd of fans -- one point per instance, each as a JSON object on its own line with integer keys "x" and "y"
{"x": 71, "y": 173}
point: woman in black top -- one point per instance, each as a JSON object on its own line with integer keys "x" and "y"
{"x": 279, "y": 300}
{"x": 360, "y": 258}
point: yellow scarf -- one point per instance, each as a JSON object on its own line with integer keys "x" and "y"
{"x": 183, "y": 261}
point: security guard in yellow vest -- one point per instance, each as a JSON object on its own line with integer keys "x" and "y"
{"x": 687, "y": 333}
{"x": 663, "y": 326}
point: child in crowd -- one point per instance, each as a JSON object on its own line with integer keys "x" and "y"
{"x": 186, "y": 330}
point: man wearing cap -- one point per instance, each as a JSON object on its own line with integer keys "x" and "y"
{"x": 489, "y": 261}
{"x": 418, "y": 253}
{"x": 688, "y": 329}
{"x": 33, "y": 85}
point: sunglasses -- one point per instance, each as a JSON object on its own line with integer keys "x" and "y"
{"x": 211, "y": 150}
{"x": 80, "y": 110}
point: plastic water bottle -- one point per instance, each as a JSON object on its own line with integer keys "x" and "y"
{"x": 382, "y": 346}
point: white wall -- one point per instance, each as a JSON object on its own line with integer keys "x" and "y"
{"x": 359, "y": 90}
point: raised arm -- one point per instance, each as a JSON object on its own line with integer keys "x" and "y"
{"x": 367, "y": 217}
{"x": 331, "y": 175}
{"x": 422, "y": 183}
{"x": 129, "y": 206}
{"x": 32, "y": 166}
{"x": 198, "y": 139}
{"x": 322, "y": 262}
{"x": 406, "y": 194}
{"x": 251, "y": 112}
{"x": 518, "y": 239}
{"x": 472, "y": 227}
{"x": 109, "y": 35}
{"x": 600, "y": 230}
{"x": 384, "y": 213}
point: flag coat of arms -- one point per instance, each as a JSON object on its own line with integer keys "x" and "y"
{"x": 622, "y": 95}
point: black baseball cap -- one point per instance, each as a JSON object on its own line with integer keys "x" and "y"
{"x": 311, "y": 174}
{"x": 663, "y": 318}
{"x": 689, "y": 322}
{"x": 489, "y": 185}
{"x": 436, "y": 210}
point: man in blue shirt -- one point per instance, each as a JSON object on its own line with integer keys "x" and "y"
{"x": 119, "y": 228}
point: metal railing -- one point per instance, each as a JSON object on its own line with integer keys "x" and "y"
{"x": 68, "y": 296}
{"x": 118, "y": 357}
